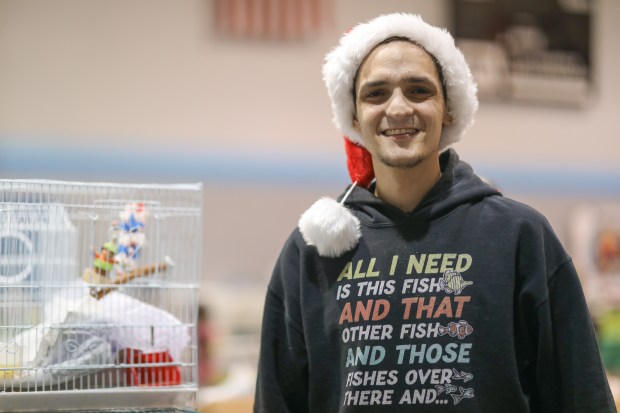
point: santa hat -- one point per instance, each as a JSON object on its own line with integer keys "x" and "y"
{"x": 329, "y": 225}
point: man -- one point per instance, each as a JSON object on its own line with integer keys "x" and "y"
{"x": 424, "y": 289}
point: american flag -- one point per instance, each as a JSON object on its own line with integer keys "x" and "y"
{"x": 269, "y": 19}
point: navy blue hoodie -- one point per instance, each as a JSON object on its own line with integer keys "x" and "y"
{"x": 467, "y": 304}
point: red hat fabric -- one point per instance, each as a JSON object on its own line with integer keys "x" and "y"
{"x": 359, "y": 163}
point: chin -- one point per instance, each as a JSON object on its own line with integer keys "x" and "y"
{"x": 401, "y": 161}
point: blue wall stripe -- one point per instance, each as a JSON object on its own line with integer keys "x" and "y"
{"x": 109, "y": 164}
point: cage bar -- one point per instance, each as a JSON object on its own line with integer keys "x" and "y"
{"x": 98, "y": 294}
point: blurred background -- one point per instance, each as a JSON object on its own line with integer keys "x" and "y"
{"x": 229, "y": 93}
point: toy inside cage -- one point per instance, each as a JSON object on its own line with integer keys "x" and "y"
{"x": 98, "y": 294}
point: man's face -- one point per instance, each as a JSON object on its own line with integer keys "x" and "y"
{"x": 400, "y": 107}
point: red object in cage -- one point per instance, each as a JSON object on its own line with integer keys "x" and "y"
{"x": 149, "y": 369}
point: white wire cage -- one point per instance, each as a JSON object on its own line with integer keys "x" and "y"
{"x": 98, "y": 294}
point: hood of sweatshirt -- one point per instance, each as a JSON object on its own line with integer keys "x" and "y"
{"x": 335, "y": 227}
{"x": 458, "y": 185}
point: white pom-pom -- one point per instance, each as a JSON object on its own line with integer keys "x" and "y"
{"x": 330, "y": 227}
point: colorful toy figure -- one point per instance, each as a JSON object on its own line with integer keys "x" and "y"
{"x": 103, "y": 268}
{"x": 115, "y": 264}
{"x": 130, "y": 235}
{"x": 118, "y": 255}
{"x": 104, "y": 260}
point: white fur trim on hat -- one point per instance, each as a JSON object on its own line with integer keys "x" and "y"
{"x": 342, "y": 63}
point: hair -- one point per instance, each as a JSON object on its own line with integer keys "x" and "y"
{"x": 401, "y": 39}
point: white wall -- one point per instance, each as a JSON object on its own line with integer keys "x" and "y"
{"x": 154, "y": 70}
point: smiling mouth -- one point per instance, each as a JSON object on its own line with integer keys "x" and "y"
{"x": 399, "y": 131}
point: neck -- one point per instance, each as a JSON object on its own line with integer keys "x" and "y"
{"x": 404, "y": 188}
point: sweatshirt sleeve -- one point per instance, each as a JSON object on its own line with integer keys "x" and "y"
{"x": 569, "y": 373}
{"x": 282, "y": 382}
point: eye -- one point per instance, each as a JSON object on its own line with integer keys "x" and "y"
{"x": 375, "y": 95}
{"x": 419, "y": 91}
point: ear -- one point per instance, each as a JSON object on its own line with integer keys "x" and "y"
{"x": 448, "y": 119}
{"x": 356, "y": 124}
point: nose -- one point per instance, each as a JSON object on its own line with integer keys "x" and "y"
{"x": 399, "y": 106}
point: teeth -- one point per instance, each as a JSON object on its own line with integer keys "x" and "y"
{"x": 401, "y": 131}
